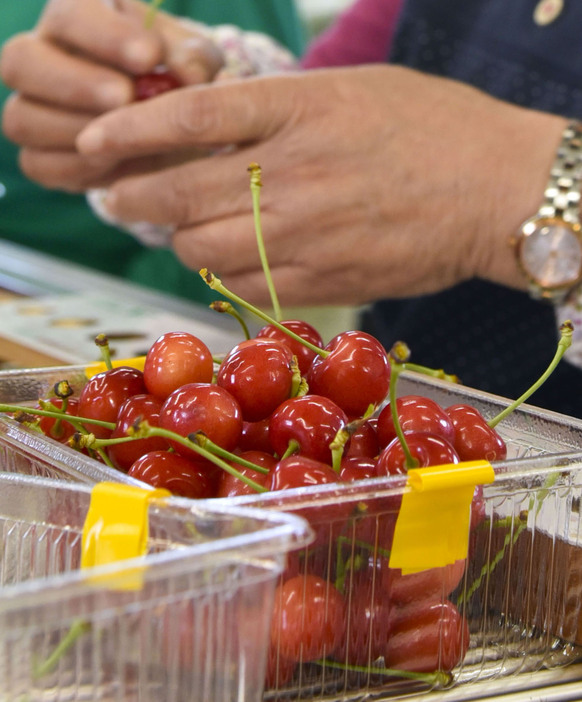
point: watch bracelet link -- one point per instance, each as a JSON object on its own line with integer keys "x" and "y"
{"x": 562, "y": 193}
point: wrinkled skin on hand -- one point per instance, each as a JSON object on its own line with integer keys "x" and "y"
{"x": 78, "y": 63}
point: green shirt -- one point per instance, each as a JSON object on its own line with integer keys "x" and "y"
{"x": 63, "y": 225}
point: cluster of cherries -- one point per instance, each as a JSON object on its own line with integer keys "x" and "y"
{"x": 282, "y": 411}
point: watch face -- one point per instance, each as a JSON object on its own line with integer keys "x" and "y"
{"x": 551, "y": 252}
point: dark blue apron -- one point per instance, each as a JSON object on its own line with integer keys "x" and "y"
{"x": 493, "y": 338}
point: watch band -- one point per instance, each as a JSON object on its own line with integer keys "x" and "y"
{"x": 562, "y": 193}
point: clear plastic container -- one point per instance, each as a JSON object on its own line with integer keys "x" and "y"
{"x": 196, "y": 628}
{"x": 517, "y": 596}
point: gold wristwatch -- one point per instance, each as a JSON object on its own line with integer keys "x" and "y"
{"x": 548, "y": 246}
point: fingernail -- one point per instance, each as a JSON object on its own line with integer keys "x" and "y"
{"x": 91, "y": 140}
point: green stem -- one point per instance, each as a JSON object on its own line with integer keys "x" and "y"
{"x": 437, "y": 678}
{"x": 102, "y": 342}
{"x": 225, "y": 307}
{"x": 203, "y": 441}
{"x": 432, "y": 372}
{"x": 77, "y": 629}
{"x": 215, "y": 283}
{"x": 256, "y": 185}
{"x": 566, "y": 331}
{"x": 398, "y": 351}
{"x": 77, "y": 422}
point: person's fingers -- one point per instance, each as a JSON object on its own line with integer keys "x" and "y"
{"x": 41, "y": 126}
{"x": 62, "y": 170}
{"x": 210, "y": 115}
{"x": 100, "y": 29}
{"x": 60, "y": 78}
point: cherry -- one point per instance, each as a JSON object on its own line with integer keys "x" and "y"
{"x": 231, "y": 486}
{"x": 432, "y": 584}
{"x": 202, "y": 407}
{"x": 308, "y": 618}
{"x": 301, "y": 471}
{"x": 474, "y": 438}
{"x": 357, "y": 468}
{"x": 312, "y": 421}
{"x": 255, "y": 436}
{"x": 415, "y": 414}
{"x": 175, "y": 359}
{"x": 179, "y": 475}
{"x": 427, "y": 636}
{"x": 135, "y": 409}
{"x": 259, "y": 374}
{"x": 364, "y": 440}
{"x": 427, "y": 449}
{"x": 355, "y": 373}
{"x": 155, "y": 83}
{"x": 63, "y": 429}
{"x": 304, "y": 354}
{"x": 104, "y": 394}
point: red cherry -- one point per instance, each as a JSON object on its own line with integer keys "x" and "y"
{"x": 255, "y": 436}
{"x": 312, "y": 421}
{"x": 104, "y": 394}
{"x": 135, "y": 409}
{"x": 301, "y": 471}
{"x": 415, "y": 414}
{"x": 427, "y": 449}
{"x": 231, "y": 486}
{"x": 175, "y": 359}
{"x": 63, "y": 431}
{"x": 155, "y": 83}
{"x": 432, "y": 584}
{"x": 357, "y": 468}
{"x": 355, "y": 374}
{"x": 259, "y": 374}
{"x": 303, "y": 329}
{"x": 201, "y": 407}
{"x": 364, "y": 441}
{"x": 474, "y": 438}
{"x": 308, "y": 618}
{"x": 427, "y": 636}
{"x": 165, "y": 469}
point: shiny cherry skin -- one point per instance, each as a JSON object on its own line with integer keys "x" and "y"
{"x": 355, "y": 374}
{"x": 415, "y": 414}
{"x": 179, "y": 475}
{"x": 232, "y": 486}
{"x": 104, "y": 394}
{"x": 303, "y": 329}
{"x": 63, "y": 430}
{"x": 175, "y": 359}
{"x": 312, "y": 421}
{"x": 364, "y": 441}
{"x": 206, "y": 408}
{"x": 427, "y": 636}
{"x": 474, "y": 438}
{"x": 357, "y": 468}
{"x": 301, "y": 471}
{"x": 427, "y": 449}
{"x": 135, "y": 409}
{"x": 308, "y": 620}
{"x": 255, "y": 436}
{"x": 155, "y": 83}
{"x": 259, "y": 374}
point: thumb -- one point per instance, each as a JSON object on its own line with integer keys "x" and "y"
{"x": 214, "y": 115}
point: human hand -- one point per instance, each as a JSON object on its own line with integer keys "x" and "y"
{"x": 80, "y": 62}
{"x": 378, "y": 181}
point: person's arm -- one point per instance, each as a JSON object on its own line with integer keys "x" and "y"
{"x": 363, "y": 196}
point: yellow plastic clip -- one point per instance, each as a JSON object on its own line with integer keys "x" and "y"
{"x": 116, "y": 528}
{"x": 432, "y": 529}
{"x": 99, "y": 367}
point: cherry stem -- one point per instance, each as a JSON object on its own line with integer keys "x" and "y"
{"x": 397, "y": 357}
{"x": 439, "y": 677}
{"x": 225, "y": 307}
{"x": 78, "y": 628}
{"x": 256, "y": 185}
{"x": 215, "y": 283}
{"x": 292, "y": 448}
{"x": 432, "y": 372}
{"x": 566, "y": 331}
{"x": 202, "y": 440}
{"x": 56, "y": 413}
{"x": 145, "y": 430}
{"x": 102, "y": 342}
{"x": 152, "y": 12}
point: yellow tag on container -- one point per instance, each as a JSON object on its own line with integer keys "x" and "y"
{"x": 100, "y": 366}
{"x": 432, "y": 529}
{"x": 116, "y": 528}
